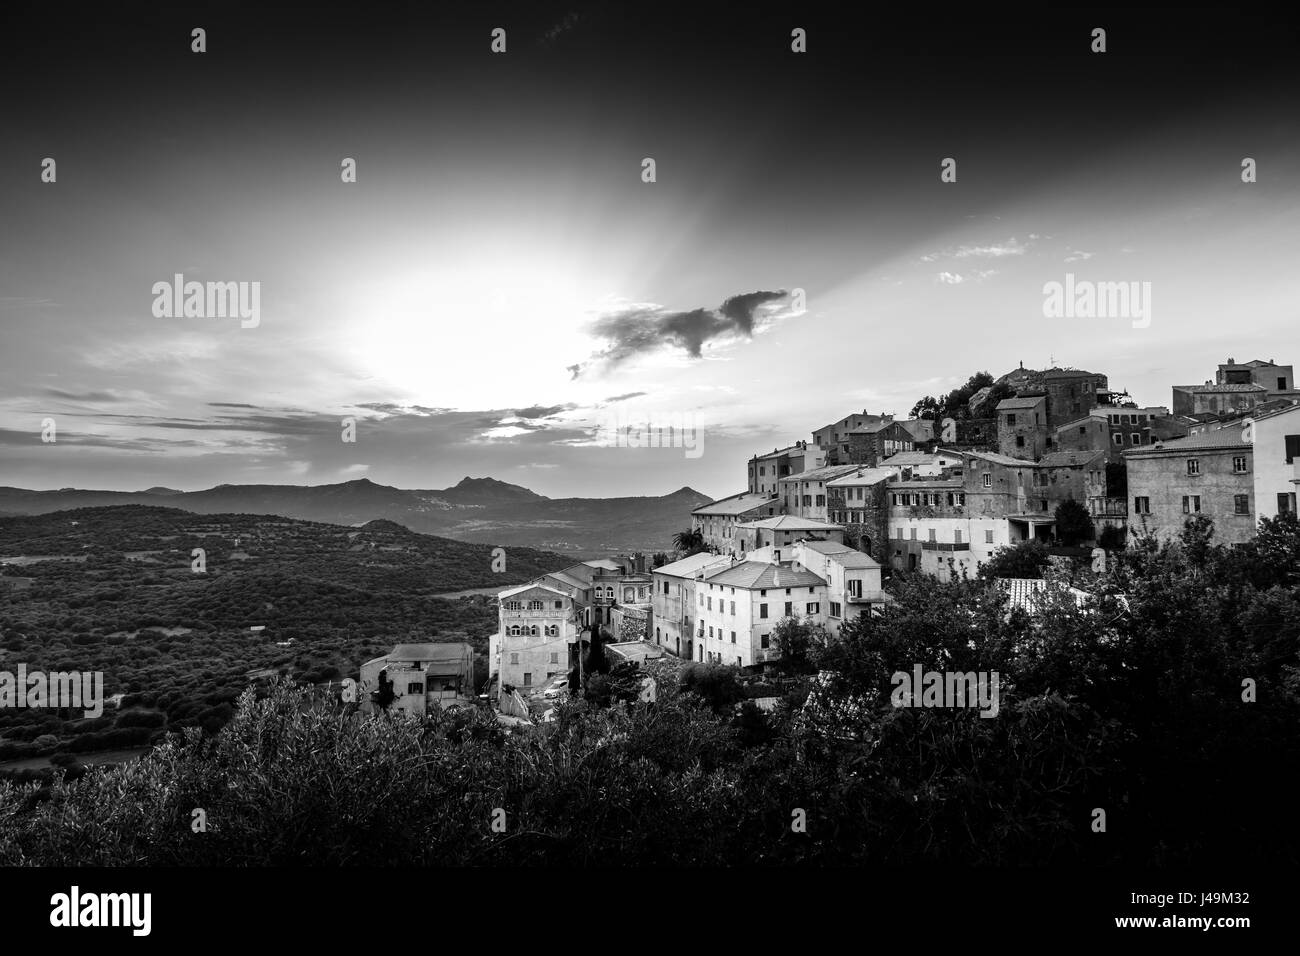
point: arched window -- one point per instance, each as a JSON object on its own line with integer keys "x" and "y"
{"x": 533, "y": 630}
{"x": 514, "y": 630}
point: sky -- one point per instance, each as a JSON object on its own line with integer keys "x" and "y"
{"x": 499, "y": 293}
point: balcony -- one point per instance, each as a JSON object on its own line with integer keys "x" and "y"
{"x": 766, "y": 654}
{"x": 945, "y": 545}
{"x": 1108, "y": 507}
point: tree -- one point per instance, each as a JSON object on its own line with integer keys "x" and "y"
{"x": 793, "y": 640}
{"x": 691, "y": 541}
{"x": 384, "y": 695}
{"x": 1111, "y": 538}
{"x": 1073, "y": 523}
{"x": 1027, "y": 559}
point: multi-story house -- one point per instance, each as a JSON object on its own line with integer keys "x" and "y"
{"x": 538, "y": 632}
{"x": 1278, "y": 380}
{"x": 933, "y": 530}
{"x": 422, "y": 677}
{"x": 783, "y": 531}
{"x": 835, "y": 436}
{"x": 1023, "y": 427}
{"x": 1276, "y": 462}
{"x": 1217, "y": 398}
{"x": 738, "y": 608}
{"x": 1071, "y": 393}
{"x": 916, "y": 463}
{"x": 857, "y": 502}
{"x": 804, "y": 494}
{"x": 1025, "y": 493}
{"x": 764, "y": 471}
{"x": 875, "y": 441}
{"x": 673, "y": 603}
{"x": 1210, "y": 474}
{"x": 853, "y": 580}
{"x": 717, "y": 520}
{"x": 1112, "y": 429}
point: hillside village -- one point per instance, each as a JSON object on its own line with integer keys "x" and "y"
{"x": 823, "y": 522}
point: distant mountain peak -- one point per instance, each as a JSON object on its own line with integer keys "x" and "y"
{"x": 161, "y": 490}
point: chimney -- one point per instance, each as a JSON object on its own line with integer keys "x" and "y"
{"x": 1231, "y": 360}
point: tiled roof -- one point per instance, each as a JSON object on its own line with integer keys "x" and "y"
{"x": 1219, "y": 439}
{"x": 866, "y": 476}
{"x": 1221, "y": 388}
{"x": 821, "y": 474}
{"x": 686, "y": 567}
{"x": 1028, "y": 401}
{"x": 914, "y": 458}
{"x": 735, "y": 505}
{"x": 1000, "y": 459}
{"x": 511, "y": 592}
{"x": 1063, "y": 459}
{"x": 853, "y": 559}
{"x": 760, "y": 574}
{"x": 791, "y": 523}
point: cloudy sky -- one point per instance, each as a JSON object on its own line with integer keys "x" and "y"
{"x": 499, "y": 285}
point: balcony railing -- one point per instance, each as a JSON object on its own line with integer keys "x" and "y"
{"x": 1108, "y": 507}
{"x": 945, "y": 546}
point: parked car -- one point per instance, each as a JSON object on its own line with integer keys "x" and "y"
{"x": 558, "y": 688}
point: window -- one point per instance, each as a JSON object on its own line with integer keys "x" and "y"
{"x": 1292, "y": 448}
{"x": 555, "y": 657}
{"x": 710, "y": 632}
{"x": 733, "y": 608}
{"x": 789, "y": 609}
{"x": 1011, "y": 419}
{"x": 1191, "y": 504}
{"x": 708, "y": 604}
{"x": 956, "y": 536}
{"x": 514, "y": 658}
{"x": 1135, "y": 438}
{"x": 1241, "y": 504}
{"x": 916, "y": 500}
{"x": 813, "y": 607}
{"x": 513, "y": 606}
{"x": 534, "y": 605}
{"x": 762, "y": 640}
{"x": 934, "y": 534}
{"x": 762, "y": 610}
{"x": 1117, "y": 438}
{"x": 733, "y": 637}
{"x": 988, "y": 537}
{"x": 821, "y": 501}
{"x": 1142, "y": 506}
{"x": 1193, "y": 466}
{"x": 1020, "y": 441}
{"x": 835, "y": 608}
{"x": 1285, "y": 502}
{"x": 528, "y": 678}
{"x": 1239, "y": 465}
{"x": 415, "y": 688}
{"x": 913, "y": 534}
{"x": 988, "y": 480}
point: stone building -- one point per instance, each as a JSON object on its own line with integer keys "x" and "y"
{"x": 1023, "y": 427}
{"x": 423, "y": 678}
{"x": 804, "y": 494}
{"x": 871, "y": 443}
{"x": 764, "y": 471}
{"x": 834, "y": 438}
{"x": 1210, "y": 474}
{"x": 1218, "y": 399}
{"x": 857, "y": 502}
{"x": 717, "y": 520}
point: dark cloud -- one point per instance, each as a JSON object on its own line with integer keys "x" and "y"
{"x": 83, "y": 396}
{"x": 641, "y": 330}
{"x": 541, "y": 411}
{"x": 625, "y": 397}
{"x": 229, "y": 405}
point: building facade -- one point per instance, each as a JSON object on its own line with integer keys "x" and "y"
{"x": 1211, "y": 474}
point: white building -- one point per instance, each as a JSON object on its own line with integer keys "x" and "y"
{"x": 737, "y": 610}
{"x": 853, "y": 584}
{"x": 673, "y": 600}
{"x": 1276, "y": 461}
{"x": 539, "y": 624}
